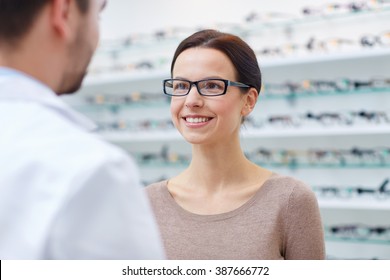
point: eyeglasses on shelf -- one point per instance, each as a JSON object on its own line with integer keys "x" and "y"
{"x": 348, "y": 192}
{"x": 359, "y": 232}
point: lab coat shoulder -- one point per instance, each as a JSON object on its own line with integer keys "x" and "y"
{"x": 97, "y": 207}
{"x": 106, "y": 204}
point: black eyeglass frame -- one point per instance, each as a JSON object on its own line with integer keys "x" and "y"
{"x": 226, "y": 82}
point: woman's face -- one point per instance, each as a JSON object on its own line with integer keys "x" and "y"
{"x": 207, "y": 119}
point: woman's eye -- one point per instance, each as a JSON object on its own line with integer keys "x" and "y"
{"x": 181, "y": 86}
{"x": 212, "y": 85}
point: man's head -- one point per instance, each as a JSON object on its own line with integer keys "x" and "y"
{"x": 52, "y": 40}
{"x": 17, "y": 16}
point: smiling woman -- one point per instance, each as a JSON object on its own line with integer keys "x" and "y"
{"x": 222, "y": 195}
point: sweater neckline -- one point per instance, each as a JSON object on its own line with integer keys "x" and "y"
{"x": 213, "y": 217}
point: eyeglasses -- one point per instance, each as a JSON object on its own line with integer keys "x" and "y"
{"x": 359, "y": 231}
{"x": 355, "y": 157}
{"x": 207, "y": 87}
{"x": 380, "y": 192}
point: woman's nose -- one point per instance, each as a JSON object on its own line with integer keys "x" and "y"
{"x": 193, "y": 98}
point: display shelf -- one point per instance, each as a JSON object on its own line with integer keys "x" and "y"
{"x": 337, "y": 250}
{"x": 316, "y": 132}
{"x": 163, "y": 44}
{"x": 330, "y": 57}
{"x": 165, "y": 100}
{"x": 122, "y": 81}
{"x": 259, "y": 134}
{"x": 121, "y": 77}
{"x": 147, "y": 42}
{"x": 115, "y": 108}
{"x": 324, "y": 166}
{"x": 158, "y": 164}
{"x": 355, "y": 204}
{"x": 324, "y": 94}
{"x": 142, "y": 136}
{"x": 358, "y": 241}
{"x": 299, "y": 21}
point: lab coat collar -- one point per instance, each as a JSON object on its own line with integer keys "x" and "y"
{"x": 18, "y": 86}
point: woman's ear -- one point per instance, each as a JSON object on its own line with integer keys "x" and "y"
{"x": 250, "y": 99}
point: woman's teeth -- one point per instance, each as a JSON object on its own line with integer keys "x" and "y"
{"x": 197, "y": 120}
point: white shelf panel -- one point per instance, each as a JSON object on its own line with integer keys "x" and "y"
{"x": 324, "y": 57}
{"x": 125, "y": 82}
{"x": 315, "y": 132}
{"x": 141, "y": 136}
{"x": 355, "y": 204}
{"x": 249, "y": 134}
{"x": 122, "y": 77}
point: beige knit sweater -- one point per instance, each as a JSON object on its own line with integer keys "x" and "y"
{"x": 281, "y": 221}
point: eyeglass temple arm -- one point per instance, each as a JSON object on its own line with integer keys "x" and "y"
{"x": 382, "y": 188}
{"x": 238, "y": 84}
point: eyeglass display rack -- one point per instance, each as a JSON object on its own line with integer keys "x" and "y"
{"x": 354, "y": 119}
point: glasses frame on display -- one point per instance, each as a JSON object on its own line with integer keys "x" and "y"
{"x": 200, "y": 89}
{"x": 380, "y": 192}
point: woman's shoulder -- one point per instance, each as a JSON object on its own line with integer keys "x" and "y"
{"x": 156, "y": 189}
{"x": 293, "y": 195}
{"x": 290, "y": 186}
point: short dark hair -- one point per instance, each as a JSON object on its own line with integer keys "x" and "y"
{"x": 239, "y": 52}
{"x": 17, "y": 16}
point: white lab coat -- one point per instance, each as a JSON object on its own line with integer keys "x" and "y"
{"x": 65, "y": 193}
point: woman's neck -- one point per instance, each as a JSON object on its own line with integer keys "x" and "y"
{"x": 220, "y": 166}
{"x": 219, "y": 179}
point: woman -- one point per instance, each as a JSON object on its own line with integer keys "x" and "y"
{"x": 223, "y": 206}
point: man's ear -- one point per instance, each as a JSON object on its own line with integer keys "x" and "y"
{"x": 61, "y": 16}
{"x": 250, "y": 101}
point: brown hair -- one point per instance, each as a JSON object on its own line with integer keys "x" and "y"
{"x": 239, "y": 52}
{"x": 17, "y": 16}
